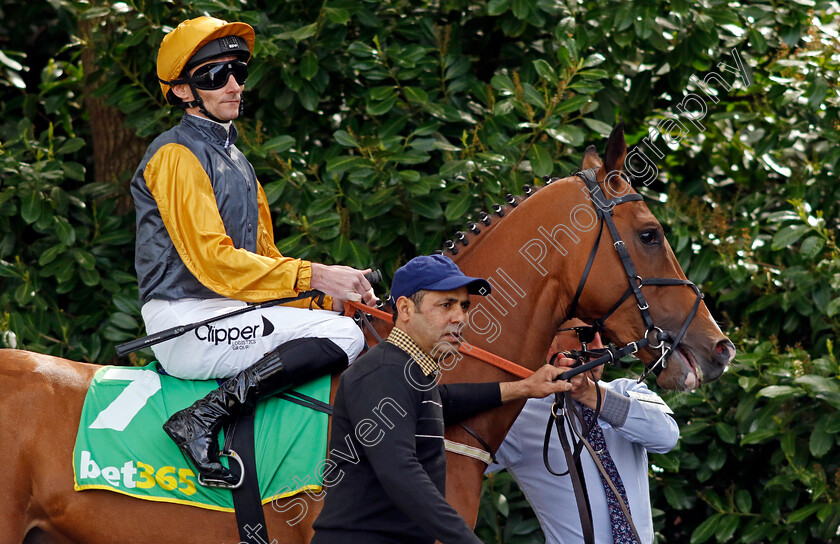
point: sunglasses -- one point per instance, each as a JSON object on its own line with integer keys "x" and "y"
{"x": 215, "y": 76}
{"x": 585, "y": 334}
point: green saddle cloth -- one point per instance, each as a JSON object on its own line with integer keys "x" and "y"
{"x": 121, "y": 447}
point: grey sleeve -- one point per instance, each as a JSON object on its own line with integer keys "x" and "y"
{"x": 615, "y": 408}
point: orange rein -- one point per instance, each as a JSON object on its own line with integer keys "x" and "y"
{"x": 478, "y": 353}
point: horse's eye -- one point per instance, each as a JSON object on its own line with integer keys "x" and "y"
{"x": 649, "y": 237}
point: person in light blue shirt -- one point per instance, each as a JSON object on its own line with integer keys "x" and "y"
{"x": 634, "y": 421}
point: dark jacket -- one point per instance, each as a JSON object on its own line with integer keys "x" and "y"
{"x": 389, "y": 478}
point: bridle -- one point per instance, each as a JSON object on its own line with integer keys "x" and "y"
{"x": 563, "y": 411}
{"x": 604, "y": 211}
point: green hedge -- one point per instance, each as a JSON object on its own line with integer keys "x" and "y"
{"x": 379, "y": 127}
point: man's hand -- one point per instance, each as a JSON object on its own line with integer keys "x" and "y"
{"x": 538, "y": 385}
{"x": 584, "y": 388}
{"x": 342, "y": 283}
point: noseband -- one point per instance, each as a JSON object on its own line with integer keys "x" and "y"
{"x": 604, "y": 211}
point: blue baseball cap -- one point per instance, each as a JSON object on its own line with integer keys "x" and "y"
{"x": 434, "y": 273}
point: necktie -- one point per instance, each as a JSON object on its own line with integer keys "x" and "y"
{"x": 621, "y": 531}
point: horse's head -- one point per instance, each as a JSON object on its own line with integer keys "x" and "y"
{"x": 703, "y": 351}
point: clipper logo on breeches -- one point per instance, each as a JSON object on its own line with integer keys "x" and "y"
{"x": 236, "y": 337}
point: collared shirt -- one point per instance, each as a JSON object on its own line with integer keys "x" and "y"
{"x": 402, "y": 340}
{"x": 643, "y": 428}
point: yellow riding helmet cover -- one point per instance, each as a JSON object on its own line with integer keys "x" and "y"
{"x": 179, "y": 46}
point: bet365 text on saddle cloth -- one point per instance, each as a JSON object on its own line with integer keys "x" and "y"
{"x": 121, "y": 447}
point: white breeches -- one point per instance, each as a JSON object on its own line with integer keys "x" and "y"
{"x": 223, "y": 348}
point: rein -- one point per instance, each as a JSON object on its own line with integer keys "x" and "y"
{"x": 360, "y": 313}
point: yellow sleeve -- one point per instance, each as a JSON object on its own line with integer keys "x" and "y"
{"x": 187, "y": 205}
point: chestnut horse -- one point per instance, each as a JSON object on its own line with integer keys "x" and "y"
{"x": 534, "y": 257}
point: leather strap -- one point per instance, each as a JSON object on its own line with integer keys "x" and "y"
{"x": 247, "y": 502}
{"x": 499, "y": 362}
{"x": 307, "y": 402}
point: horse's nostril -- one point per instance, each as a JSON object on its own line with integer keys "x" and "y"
{"x": 725, "y": 351}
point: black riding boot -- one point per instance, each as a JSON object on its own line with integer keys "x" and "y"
{"x": 194, "y": 429}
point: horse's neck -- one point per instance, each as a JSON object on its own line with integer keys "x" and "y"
{"x": 531, "y": 293}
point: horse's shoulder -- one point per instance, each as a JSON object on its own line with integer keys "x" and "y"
{"x": 16, "y": 363}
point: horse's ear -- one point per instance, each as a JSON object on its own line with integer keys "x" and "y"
{"x": 591, "y": 159}
{"x": 616, "y": 150}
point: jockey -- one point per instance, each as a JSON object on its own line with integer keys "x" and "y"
{"x": 205, "y": 247}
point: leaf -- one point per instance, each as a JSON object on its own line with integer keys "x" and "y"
{"x": 124, "y": 321}
{"x": 381, "y": 108}
{"x": 497, "y": 7}
{"x": 95, "y": 13}
{"x": 360, "y": 256}
{"x": 788, "y": 443}
{"x": 761, "y": 435}
{"x": 821, "y": 441}
{"x": 833, "y": 307}
{"x": 677, "y": 497}
{"x": 308, "y": 97}
{"x": 787, "y": 236}
{"x": 309, "y": 65}
{"x": 84, "y": 259}
{"x": 812, "y": 246}
{"x": 338, "y": 16}
{"x": 416, "y": 94}
{"x": 705, "y": 530}
{"x": 71, "y": 145}
{"x": 458, "y": 207}
{"x": 73, "y": 170}
{"x": 346, "y": 162}
{"x": 455, "y": 168}
{"x": 304, "y": 32}
{"x": 743, "y": 500}
{"x": 115, "y": 237}
{"x": 816, "y": 93}
{"x": 24, "y": 294}
{"x": 279, "y": 144}
{"x": 545, "y": 71}
{"x": 13, "y": 64}
{"x": 572, "y": 104}
{"x": 777, "y": 391}
{"x": 344, "y": 138}
{"x": 567, "y": 134}
{"x": 66, "y": 232}
{"x": 598, "y": 126}
{"x": 340, "y": 248}
{"x": 425, "y": 207}
{"x": 726, "y": 432}
{"x": 726, "y": 527}
{"x": 783, "y": 170}
{"x": 30, "y": 206}
{"x": 541, "y": 163}
{"x": 503, "y": 83}
{"x": 49, "y": 255}
{"x": 804, "y": 512}
{"x": 89, "y": 277}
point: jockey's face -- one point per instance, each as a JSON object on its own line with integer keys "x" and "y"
{"x": 223, "y": 102}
